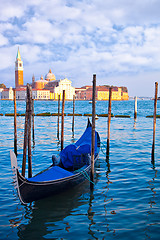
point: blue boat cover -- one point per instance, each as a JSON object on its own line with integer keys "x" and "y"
{"x": 52, "y": 173}
{"x": 82, "y": 146}
{"x": 79, "y": 151}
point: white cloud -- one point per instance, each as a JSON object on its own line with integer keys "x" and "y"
{"x": 38, "y": 31}
{"x": 9, "y": 10}
{"x": 78, "y": 38}
{"x": 9, "y": 57}
{"x": 30, "y": 53}
{"x": 5, "y": 26}
{"x": 58, "y": 11}
{"x": 3, "y": 40}
{"x": 128, "y": 11}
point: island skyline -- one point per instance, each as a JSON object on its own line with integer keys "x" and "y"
{"x": 80, "y": 38}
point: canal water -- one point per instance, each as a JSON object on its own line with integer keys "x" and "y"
{"x": 125, "y": 202}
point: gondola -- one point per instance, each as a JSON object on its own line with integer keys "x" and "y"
{"x": 72, "y": 168}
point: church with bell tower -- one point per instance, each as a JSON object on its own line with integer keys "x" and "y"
{"x": 18, "y": 70}
{"x": 42, "y": 89}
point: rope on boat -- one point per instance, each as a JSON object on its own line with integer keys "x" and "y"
{"x": 103, "y": 146}
{"x": 85, "y": 174}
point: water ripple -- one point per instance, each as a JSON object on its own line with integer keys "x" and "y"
{"x": 125, "y": 201}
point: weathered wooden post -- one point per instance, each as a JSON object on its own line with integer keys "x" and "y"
{"x": 73, "y": 115}
{"x": 135, "y": 108}
{"x": 154, "y": 120}
{"x": 15, "y": 124}
{"x": 25, "y": 135}
{"x": 58, "y": 116}
{"x": 62, "y": 122}
{"x": 109, "y": 120}
{"x": 29, "y": 131}
{"x": 33, "y": 120}
{"x": 93, "y": 130}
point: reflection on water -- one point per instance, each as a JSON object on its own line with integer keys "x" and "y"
{"x": 135, "y": 121}
{"x": 44, "y": 214}
{"x": 52, "y": 216}
{"x": 152, "y": 206}
{"x": 91, "y": 215}
{"x": 125, "y": 200}
{"x": 108, "y": 164}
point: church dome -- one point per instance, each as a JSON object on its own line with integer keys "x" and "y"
{"x": 50, "y": 76}
{"x": 40, "y": 84}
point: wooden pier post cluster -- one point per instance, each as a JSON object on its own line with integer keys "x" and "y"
{"x": 93, "y": 131}
{"x": 154, "y": 120}
{"x": 27, "y": 133}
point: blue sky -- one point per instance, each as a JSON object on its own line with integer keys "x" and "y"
{"x": 119, "y": 40}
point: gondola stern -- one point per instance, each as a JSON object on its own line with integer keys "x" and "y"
{"x": 13, "y": 158}
{"x": 16, "y": 174}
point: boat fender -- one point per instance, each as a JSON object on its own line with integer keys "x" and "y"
{"x": 55, "y": 160}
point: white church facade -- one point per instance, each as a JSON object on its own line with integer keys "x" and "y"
{"x": 42, "y": 89}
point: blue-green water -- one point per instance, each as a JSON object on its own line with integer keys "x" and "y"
{"x": 125, "y": 202}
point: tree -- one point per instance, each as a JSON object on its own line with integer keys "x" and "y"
{"x": 2, "y": 85}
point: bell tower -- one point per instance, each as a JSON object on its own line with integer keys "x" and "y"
{"x": 18, "y": 70}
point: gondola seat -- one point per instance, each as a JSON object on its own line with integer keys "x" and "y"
{"x": 53, "y": 173}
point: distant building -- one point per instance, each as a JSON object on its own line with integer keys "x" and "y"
{"x": 39, "y": 84}
{"x": 7, "y": 94}
{"x": 37, "y": 94}
{"x": 50, "y": 76}
{"x": 82, "y": 93}
{"x": 64, "y": 84}
{"x": 41, "y": 94}
{"x": 21, "y": 93}
{"x": 124, "y": 93}
{"x": 1, "y": 89}
{"x": 42, "y": 89}
{"x": 116, "y": 93}
{"x": 50, "y": 88}
{"x": 55, "y": 87}
{"x": 102, "y": 93}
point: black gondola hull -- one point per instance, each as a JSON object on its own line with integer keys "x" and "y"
{"x": 33, "y": 191}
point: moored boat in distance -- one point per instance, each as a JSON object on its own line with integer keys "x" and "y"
{"x": 91, "y": 101}
{"x": 73, "y": 168}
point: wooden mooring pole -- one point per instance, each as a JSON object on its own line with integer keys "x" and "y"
{"x": 29, "y": 131}
{"x": 62, "y": 122}
{"x": 93, "y": 130}
{"x": 73, "y": 115}
{"x": 154, "y": 120}
{"x": 135, "y": 108}
{"x": 109, "y": 121}
{"x": 25, "y": 140}
{"x": 15, "y": 124}
{"x": 33, "y": 120}
{"x": 25, "y": 144}
{"x": 58, "y": 116}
